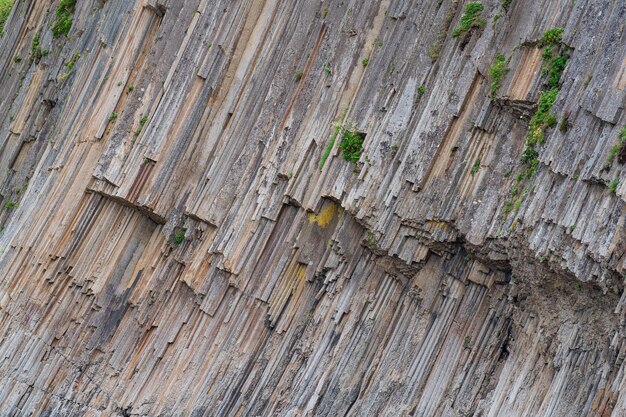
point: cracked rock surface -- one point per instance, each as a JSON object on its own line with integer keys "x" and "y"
{"x": 184, "y": 235}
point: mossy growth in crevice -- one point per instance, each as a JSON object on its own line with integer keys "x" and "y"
{"x": 471, "y": 19}
{"x": 497, "y": 72}
{"x": 64, "y": 18}
{"x": 178, "y": 238}
{"x": 617, "y": 150}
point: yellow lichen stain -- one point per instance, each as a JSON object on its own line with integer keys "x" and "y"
{"x": 325, "y": 216}
{"x": 434, "y": 225}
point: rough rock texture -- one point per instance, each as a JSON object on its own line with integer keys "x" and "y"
{"x": 408, "y": 284}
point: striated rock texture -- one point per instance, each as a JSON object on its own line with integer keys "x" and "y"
{"x": 182, "y": 235}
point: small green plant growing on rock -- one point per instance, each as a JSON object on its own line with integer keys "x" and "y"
{"x": 435, "y": 49}
{"x": 352, "y": 145}
{"x": 365, "y": 62}
{"x": 506, "y": 4}
{"x": 17, "y": 59}
{"x": 142, "y": 122}
{"x": 5, "y": 10}
{"x": 468, "y": 343}
{"x": 564, "y": 124}
{"x": 542, "y": 117}
{"x": 331, "y": 143}
{"x": 299, "y": 75}
{"x": 421, "y": 90}
{"x": 551, "y": 37}
{"x": 497, "y": 72}
{"x": 179, "y": 237}
{"x": 618, "y": 148}
{"x": 70, "y": 65}
{"x": 613, "y": 185}
{"x": 475, "y": 167}
{"x": 35, "y": 49}
{"x": 64, "y": 18}
{"x": 471, "y": 19}
{"x": 327, "y": 69}
{"x": 130, "y": 89}
{"x": 113, "y": 117}
{"x": 10, "y": 205}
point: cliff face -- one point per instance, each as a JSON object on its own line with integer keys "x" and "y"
{"x": 183, "y": 235}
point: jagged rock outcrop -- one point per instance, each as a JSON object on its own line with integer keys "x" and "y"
{"x": 182, "y": 235}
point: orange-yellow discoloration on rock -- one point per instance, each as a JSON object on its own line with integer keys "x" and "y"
{"x": 325, "y": 216}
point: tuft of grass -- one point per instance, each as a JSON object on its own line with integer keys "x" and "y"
{"x": 564, "y": 124}
{"x": 506, "y": 4}
{"x": 554, "y": 67}
{"x": 142, "y": 122}
{"x": 64, "y": 18}
{"x": 552, "y": 37}
{"x": 497, "y": 72}
{"x": 70, "y": 64}
{"x": 542, "y": 118}
{"x": 327, "y": 69}
{"x": 617, "y": 148}
{"x": 10, "y": 205}
{"x": 17, "y": 59}
{"x": 331, "y": 143}
{"x": 471, "y": 19}
{"x": 435, "y": 49}
{"x": 613, "y": 185}
{"x": 365, "y": 62}
{"x": 35, "y": 49}
{"x": 130, "y": 89}
{"x": 421, "y": 90}
{"x": 179, "y": 237}
{"x": 5, "y": 10}
{"x": 475, "y": 167}
{"x": 325, "y": 12}
{"x": 113, "y": 117}
{"x": 299, "y": 75}
{"x": 352, "y": 145}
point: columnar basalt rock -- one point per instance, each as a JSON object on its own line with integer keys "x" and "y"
{"x": 182, "y": 236}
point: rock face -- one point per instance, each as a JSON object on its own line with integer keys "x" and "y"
{"x": 182, "y": 235}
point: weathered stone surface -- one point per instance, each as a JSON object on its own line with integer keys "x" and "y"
{"x": 400, "y": 285}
